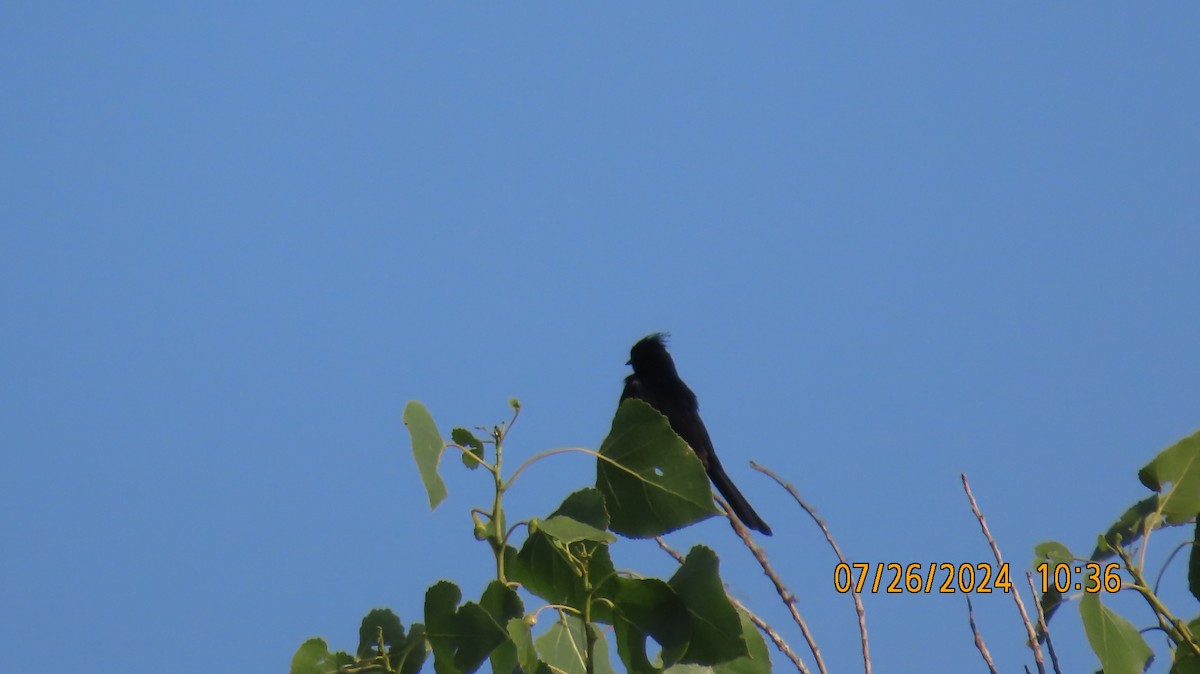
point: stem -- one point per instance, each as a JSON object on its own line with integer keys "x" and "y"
{"x": 563, "y": 450}
{"x": 498, "y": 533}
{"x": 1175, "y": 628}
{"x": 589, "y": 635}
{"x": 476, "y": 459}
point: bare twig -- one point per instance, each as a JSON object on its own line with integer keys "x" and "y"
{"x": 765, "y": 628}
{"x": 987, "y": 657}
{"x": 761, "y": 624}
{"x": 1033, "y": 642}
{"x": 858, "y": 605}
{"x": 785, "y": 594}
{"x": 678, "y": 556}
{"x": 1045, "y": 628}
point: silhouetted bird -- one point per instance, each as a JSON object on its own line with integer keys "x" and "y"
{"x": 655, "y": 381}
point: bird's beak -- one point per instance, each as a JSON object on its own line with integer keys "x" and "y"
{"x": 629, "y": 362}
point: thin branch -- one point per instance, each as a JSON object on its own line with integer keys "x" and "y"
{"x": 531, "y": 460}
{"x": 562, "y": 450}
{"x": 987, "y": 657}
{"x": 1147, "y": 528}
{"x": 556, "y": 607}
{"x": 1170, "y": 558}
{"x": 1180, "y": 633}
{"x": 858, "y": 605}
{"x": 761, "y": 624}
{"x": 466, "y": 451}
{"x": 785, "y": 594}
{"x": 1045, "y": 628}
{"x": 675, "y": 554}
{"x": 1033, "y": 642}
{"x": 772, "y": 635}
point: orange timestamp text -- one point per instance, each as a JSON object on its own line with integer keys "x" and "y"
{"x": 895, "y": 578}
{"x": 1095, "y": 577}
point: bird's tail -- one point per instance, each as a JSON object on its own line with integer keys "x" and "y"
{"x": 741, "y": 507}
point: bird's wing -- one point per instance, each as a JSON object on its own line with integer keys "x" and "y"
{"x": 633, "y": 389}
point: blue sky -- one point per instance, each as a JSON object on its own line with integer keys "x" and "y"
{"x": 892, "y": 243}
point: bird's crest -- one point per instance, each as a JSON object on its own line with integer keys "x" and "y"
{"x": 650, "y": 354}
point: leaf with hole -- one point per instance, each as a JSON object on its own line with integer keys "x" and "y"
{"x": 649, "y": 608}
{"x": 473, "y": 457}
{"x": 652, "y": 482}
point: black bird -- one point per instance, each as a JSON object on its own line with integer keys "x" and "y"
{"x": 655, "y": 381}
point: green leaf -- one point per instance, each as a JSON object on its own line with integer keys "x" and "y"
{"x": 368, "y": 632}
{"x": 503, "y": 605}
{"x": 465, "y": 438}
{"x": 1178, "y": 466}
{"x": 1051, "y": 552}
{"x": 758, "y": 661}
{"x": 1186, "y": 660}
{"x": 715, "y": 633}
{"x": 644, "y": 608}
{"x": 567, "y": 530}
{"x": 564, "y": 648}
{"x": 1113, "y": 639}
{"x": 313, "y": 657}
{"x": 587, "y": 506}
{"x": 1129, "y": 527}
{"x": 1194, "y": 565}
{"x": 658, "y": 484}
{"x": 521, "y": 635}
{"x": 461, "y": 639}
{"x": 501, "y": 602}
{"x": 553, "y": 570}
{"x": 410, "y": 657}
{"x": 427, "y": 447}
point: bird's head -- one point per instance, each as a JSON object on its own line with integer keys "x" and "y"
{"x": 650, "y": 354}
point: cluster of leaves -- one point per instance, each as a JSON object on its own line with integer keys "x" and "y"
{"x": 1174, "y": 478}
{"x": 648, "y": 482}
